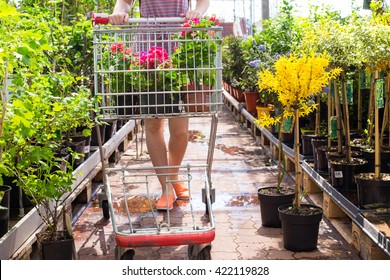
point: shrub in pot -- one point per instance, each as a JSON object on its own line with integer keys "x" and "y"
{"x": 296, "y": 79}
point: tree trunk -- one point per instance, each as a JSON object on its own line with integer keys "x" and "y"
{"x": 297, "y": 160}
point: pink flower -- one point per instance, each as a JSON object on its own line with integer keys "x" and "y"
{"x": 127, "y": 51}
{"x": 153, "y": 58}
{"x": 195, "y": 21}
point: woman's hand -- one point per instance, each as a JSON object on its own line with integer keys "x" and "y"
{"x": 118, "y": 18}
{"x": 192, "y": 14}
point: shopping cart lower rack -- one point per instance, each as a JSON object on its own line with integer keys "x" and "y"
{"x": 136, "y": 223}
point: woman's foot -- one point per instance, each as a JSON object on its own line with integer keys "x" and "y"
{"x": 181, "y": 191}
{"x": 165, "y": 202}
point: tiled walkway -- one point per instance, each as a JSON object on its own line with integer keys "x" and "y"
{"x": 240, "y": 168}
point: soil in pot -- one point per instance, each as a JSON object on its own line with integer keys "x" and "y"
{"x": 343, "y": 173}
{"x": 334, "y": 154}
{"x": 300, "y": 226}
{"x": 371, "y": 193}
{"x": 270, "y": 200}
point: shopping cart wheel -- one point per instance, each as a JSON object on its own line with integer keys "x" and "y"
{"x": 198, "y": 252}
{"x": 123, "y": 254}
{"x": 106, "y": 212}
{"x": 128, "y": 255}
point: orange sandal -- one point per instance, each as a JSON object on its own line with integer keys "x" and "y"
{"x": 164, "y": 204}
{"x": 181, "y": 191}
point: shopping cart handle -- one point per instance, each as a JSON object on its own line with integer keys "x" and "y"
{"x": 100, "y": 18}
{"x": 103, "y": 18}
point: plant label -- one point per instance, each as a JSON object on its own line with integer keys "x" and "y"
{"x": 338, "y": 174}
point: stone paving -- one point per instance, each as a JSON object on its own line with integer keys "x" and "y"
{"x": 240, "y": 167}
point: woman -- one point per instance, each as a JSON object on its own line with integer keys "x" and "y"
{"x": 154, "y": 128}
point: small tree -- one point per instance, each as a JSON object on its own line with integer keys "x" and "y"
{"x": 297, "y": 79}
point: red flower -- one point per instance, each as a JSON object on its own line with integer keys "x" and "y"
{"x": 117, "y": 47}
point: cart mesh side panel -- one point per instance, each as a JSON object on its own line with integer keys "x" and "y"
{"x": 152, "y": 70}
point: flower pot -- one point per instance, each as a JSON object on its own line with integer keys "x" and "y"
{"x": 77, "y": 147}
{"x": 270, "y": 201}
{"x": 369, "y": 155}
{"x": 198, "y": 99}
{"x": 322, "y": 162}
{"x": 343, "y": 173}
{"x": 127, "y": 105}
{"x": 87, "y": 144}
{"x": 240, "y": 95}
{"x": 160, "y": 103}
{"x": 300, "y": 230}
{"x": 59, "y": 249}
{"x": 317, "y": 142}
{"x": 333, "y": 154}
{"x": 251, "y": 98}
{"x": 19, "y": 201}
{"x": 4, "y": 209}
{"x": 373, "y": 193}
{"x": 307, "y": 147}
{"x": 94, "y": 136}
{"x": 260, "y": 110}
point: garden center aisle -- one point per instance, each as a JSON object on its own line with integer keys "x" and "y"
{"x": 239, "y": 168}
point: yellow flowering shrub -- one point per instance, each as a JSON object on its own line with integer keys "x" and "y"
{"x": 295, "y": 79}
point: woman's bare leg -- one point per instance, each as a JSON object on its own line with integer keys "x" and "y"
{"x": 154, "y": 134}
{"x": 178, "y": 141}
{"x": 177, "y": 146}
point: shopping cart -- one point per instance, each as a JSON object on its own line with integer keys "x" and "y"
{"x": 155, "y": 68}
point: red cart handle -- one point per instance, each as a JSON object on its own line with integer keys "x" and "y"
{"x": 100, "y": 18}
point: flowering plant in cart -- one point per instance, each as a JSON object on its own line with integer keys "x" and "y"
{"x": 196, "y": 51}
{"x": 149, "y": 70}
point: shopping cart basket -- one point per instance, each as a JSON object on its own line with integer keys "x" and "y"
{"x": 155, "y": 68}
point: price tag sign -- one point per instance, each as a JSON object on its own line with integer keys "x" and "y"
{"x": 338, "y": 174}
{"x": 379, "y": 92}
{"x": 287, "y": 124}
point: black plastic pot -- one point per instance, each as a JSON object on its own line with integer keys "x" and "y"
{"x": 87, "y": 144}
{"x": 166, "y": 103}
{"x": 57, "y": 250}
{"x": 4, "y": 209}
{"x": 269, "y": 204}
{"x": 370, "y": 157}
{"x": 373, "y": 193}
{"x": 342, "y": 173}
{"x": 300, "y": 232}
{"x": 94, "y": 136}
{"x": 322, "y": 161}
{"x": 316, "y": 143}
{"x": 307, "y": 148}
{"x": 78, "y": 147}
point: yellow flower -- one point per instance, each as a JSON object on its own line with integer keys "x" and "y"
{"x": 295, "y": 80}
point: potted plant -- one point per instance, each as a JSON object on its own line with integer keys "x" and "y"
{"x": 347, "y": 53}
{"x": 198, "y": 44}
{"x": 47, "y": 101}
{"x": 296, "y": 80}
{"x": 232, "y": 65}
{"x": 271, "y": 198}
{"x": 373, "y": 188}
